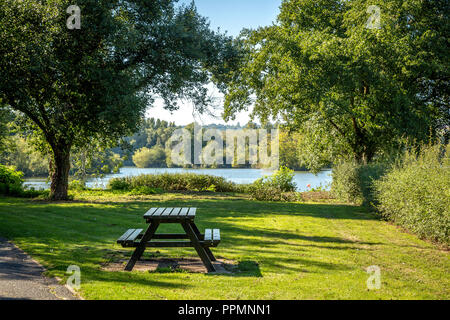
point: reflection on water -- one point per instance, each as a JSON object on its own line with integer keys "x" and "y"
{"x": 302, "y": 179}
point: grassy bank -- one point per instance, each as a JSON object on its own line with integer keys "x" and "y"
{"x": 284, "y": 250}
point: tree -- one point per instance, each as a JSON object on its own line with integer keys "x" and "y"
{"x": 351, "y": 91}
{"x": 24, "y": 157}
{"x": 148, "y": 158}
{"x": 96, "y": 82}
{"x": 4, "y": 115}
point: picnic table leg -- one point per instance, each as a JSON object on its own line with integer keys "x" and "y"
{"x": 198, "y": 233}
{"x": 198, "y": 247}
{"x": 137, "y": 254}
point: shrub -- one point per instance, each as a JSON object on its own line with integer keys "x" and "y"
{"x": 283, "y": 179}
{"x": 175, "y": 182}
{"x": 119, "y": 184}
{"x": 278, "y": 187}
{"x": 415, "y": 194}
{"x": 77, "y": 185}
{"x": 10, "y": 181}
{"x": 353, "y": 182}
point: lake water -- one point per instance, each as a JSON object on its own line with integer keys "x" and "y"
{"x": 302, "y": 179}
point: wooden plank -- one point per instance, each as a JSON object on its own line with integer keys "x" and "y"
{"x": 208, "y": 234}
{"x": 158, "y": 212}
{"x": 125, "y": 235}
{"x": 175, "y": 212}
{"x": 170, "y": 236}
{"x": 183, "y": 212}
{"x": 216, "y": 234}
{"x": 150, "y": 212}
{"x": 192, "y": 212}
{"x": 172, "y": 244}
{"x": 167, "y": 212}
{"x": 169, "y": 244}
{"x": 134, "y": 235}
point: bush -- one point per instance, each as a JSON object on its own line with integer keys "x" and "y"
{"x": 11, "y": 184}
{"x": 283, "y": 179}
{"x": 10, "y": 181}
{"x": 175, "y": 182}
{"x": 415, "y": 194}
{"x": 353, "y": 182}
{"x": 121, "y": 184}
{"x": 278, "y": 187}
{"x": 77, "y": 185}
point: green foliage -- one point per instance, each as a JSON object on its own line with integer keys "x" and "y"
{"x": 144, "y": 190}
{"x": 174, "y": 182}
{"x": 72, "y": 86}
{"x": 277, "y": 187}
{"x": 5, "y": 116}
{"x": 353, "y": 182}
{"x": 415, "y": 194}
{"x": 283, "y": 179}
{"x": 94, "y": 159}
{"x": 150, "y": 158}
{"x": 351, "y": 91}
{"x": 11, "y": 184}
{"x": 77, "y": 185}
{"x": 121, "y": 184}
{"x": 10, "y": 181}
{"x": 25, "y": 157}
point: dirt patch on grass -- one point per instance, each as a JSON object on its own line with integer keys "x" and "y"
{"x": 163, "y": 265}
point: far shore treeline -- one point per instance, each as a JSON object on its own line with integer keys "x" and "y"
{"x": 147, "y": 148}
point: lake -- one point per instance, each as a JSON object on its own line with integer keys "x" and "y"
{"x": 301, "y": 178}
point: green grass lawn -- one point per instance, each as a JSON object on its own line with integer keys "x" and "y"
{"x": 285, "y": 250}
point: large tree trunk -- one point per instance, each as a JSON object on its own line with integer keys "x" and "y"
{"x": 59, "y": 173}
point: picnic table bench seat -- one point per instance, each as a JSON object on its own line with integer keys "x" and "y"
{"x": 211, "y": 238}
{"x": 129, "y": 237}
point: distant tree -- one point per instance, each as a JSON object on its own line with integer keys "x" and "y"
{"x": 24, "y": 157}
{"x": 96, "y": 82}
{"x": 352, "y": 91}
{"x": 150, "y": 158}
{"x": 94, "y": 159}
{"x": 289, "y": 150}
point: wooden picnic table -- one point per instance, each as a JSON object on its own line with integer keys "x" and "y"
{"x": 136, "y": 238}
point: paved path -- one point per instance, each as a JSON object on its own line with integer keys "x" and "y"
{"x": 21, "y": 277}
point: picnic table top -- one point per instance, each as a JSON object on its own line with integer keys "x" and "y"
{"x": 170, "y": 213}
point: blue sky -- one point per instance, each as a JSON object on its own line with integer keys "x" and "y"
{"x": 231, "y": 16}
{"x": 234, "y": 15}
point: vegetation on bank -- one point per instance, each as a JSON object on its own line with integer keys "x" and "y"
{"x": 415, "y": 193}
{"x": 412, "y": 191}
{"x": 175, "y": 182}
